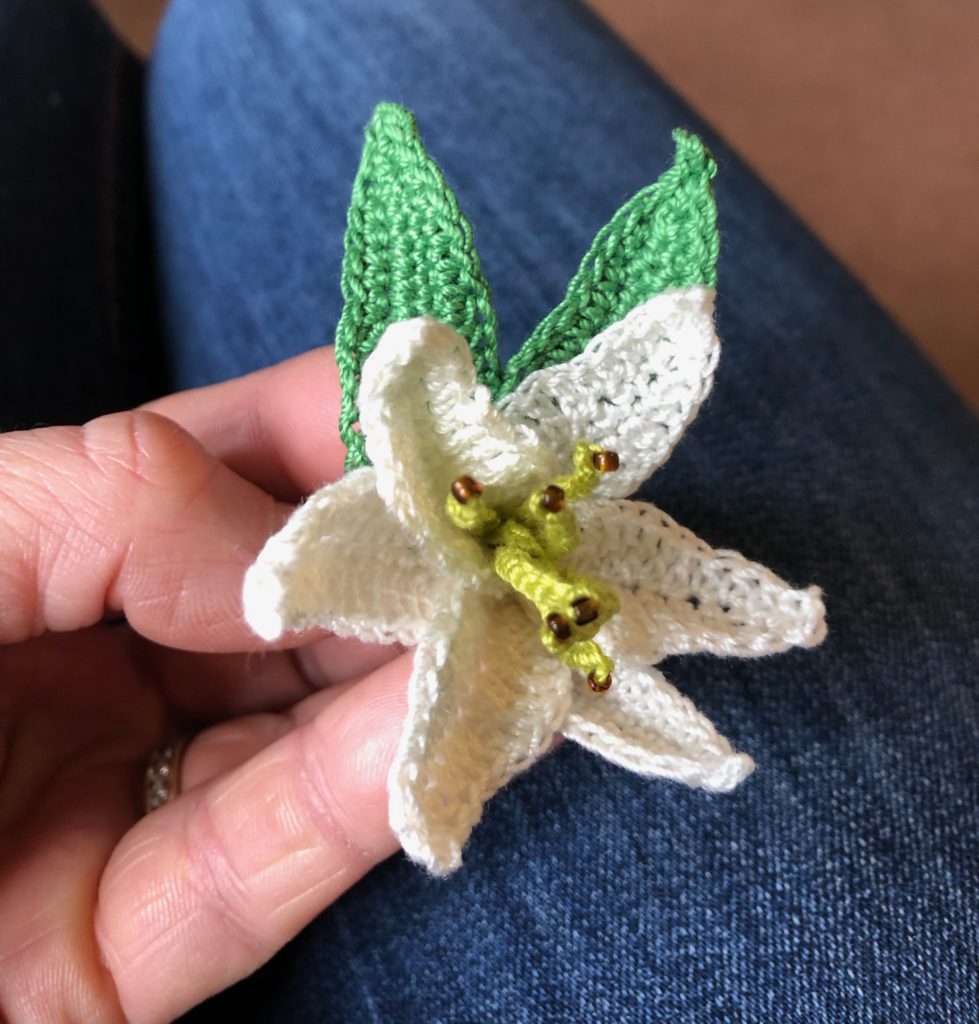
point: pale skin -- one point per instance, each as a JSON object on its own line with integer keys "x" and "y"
{"x": 154, "y": 515}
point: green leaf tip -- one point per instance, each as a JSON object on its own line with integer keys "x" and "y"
{"x": 392, "y": 114}
{"x": 408, "y": 251}
{"x": 664, "y": 237}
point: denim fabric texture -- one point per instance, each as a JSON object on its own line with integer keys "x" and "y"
{"x": 838, "y": 884}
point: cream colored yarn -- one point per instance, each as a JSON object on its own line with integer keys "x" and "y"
{"x": 374, "y": 557}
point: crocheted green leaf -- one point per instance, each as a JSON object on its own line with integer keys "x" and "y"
{"x": 408, "y": 251}
{"x": 664, "y": 237}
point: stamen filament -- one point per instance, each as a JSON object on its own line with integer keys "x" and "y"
{"x": 526, "y": 545}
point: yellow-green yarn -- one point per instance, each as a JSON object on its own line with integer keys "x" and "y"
{"x": 584, "y": 475}
{"x": 527, "y": 542}
{"x": 408, "y": 251}
{"x": 588, "y": 658}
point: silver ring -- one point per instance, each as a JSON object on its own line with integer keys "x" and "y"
{"x": 162, "y": 780}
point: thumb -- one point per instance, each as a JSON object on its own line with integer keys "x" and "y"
{"x": 204, "y": 890}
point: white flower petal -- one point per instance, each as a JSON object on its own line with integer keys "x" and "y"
{"x": 633, "y": 389}
{"x": 642, "y": 723}
{"x": 680, "y": 596}
{"x": 426, "y": 422}
{"x": 485, "y": 700}
{"x": 344, "y": 563}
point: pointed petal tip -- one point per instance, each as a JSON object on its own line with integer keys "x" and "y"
{"x": 727, "y": 773}
{"x": 438, "y": 865}
{"x": 810, "y": 628}
{"x": 439, "y": 857}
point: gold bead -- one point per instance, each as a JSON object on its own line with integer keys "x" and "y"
{"x": 605, "y": 462}
{"x": 552, "y": 500}
{"x": 465, "y": 488}
{"x": 559, "y": 626}
{"x": 599, "y": 687}
{"x": 585, "y": 610}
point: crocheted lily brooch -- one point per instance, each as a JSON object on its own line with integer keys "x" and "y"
{"x": 483, "y": 517}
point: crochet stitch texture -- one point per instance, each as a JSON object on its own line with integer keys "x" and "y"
{"x": 408, "y": 251}
{"x": 623, "y": 363}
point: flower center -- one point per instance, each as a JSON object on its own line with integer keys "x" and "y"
{"x": 527, "y": 543}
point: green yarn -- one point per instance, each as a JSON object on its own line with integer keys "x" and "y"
{"x": 664, "y": 237}
{"x": 408, "y": 251}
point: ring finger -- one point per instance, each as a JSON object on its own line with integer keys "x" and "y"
{"x": 228, "y": 745}
{"x": 201, "y": 892}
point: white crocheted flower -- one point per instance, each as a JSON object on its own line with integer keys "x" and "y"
{"x": 375, "y": 556}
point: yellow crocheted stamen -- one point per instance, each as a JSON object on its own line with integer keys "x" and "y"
{"x": 527, "y": 542}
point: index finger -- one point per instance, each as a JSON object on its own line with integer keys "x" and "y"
{"x": 277, "y": 427}
{"x": 128, "y": 513}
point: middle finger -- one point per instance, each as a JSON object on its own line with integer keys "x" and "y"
{"x": 213, "y": 687}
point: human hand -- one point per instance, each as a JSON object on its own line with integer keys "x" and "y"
{"x": 154, "y": 515}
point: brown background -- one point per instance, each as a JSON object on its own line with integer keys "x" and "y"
{"x": 861, "y": 114}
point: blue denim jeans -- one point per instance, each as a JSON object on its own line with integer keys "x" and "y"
{"x": 838, "y": 884}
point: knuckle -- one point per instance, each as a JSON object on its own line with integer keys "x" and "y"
{"x": 326, "y": 810}
{"x": 137, "y": 447}
{"x": 218, "y": 886}
{"x": 77, "y": 495}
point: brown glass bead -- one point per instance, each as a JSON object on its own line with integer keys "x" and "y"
{"x": 605, "y": 462}
{"x": 598, "y": 687}
{"x": 585, "y": 610}
{"x": 552, "y": 500}
{"x": 465, "y": 488}
{"x": 559, "y": 626}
